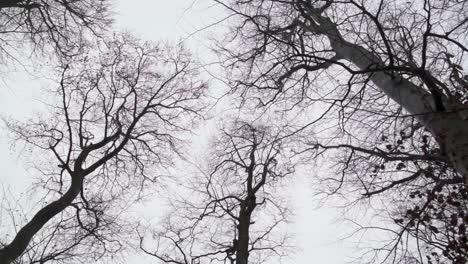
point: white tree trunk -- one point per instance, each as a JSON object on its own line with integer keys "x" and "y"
{"x": 449, "y": 128}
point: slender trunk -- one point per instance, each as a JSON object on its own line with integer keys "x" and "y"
{"x": 243, "y": 236}
{"x": 242, "y": 252}
{"x": 450, "y": 128}
{"x": 19, "y": 244}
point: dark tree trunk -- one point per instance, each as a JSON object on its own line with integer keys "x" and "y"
{"x": 242, "y": 254}
{"x": 242, "y": 251}
{"x": 21, "y": 241}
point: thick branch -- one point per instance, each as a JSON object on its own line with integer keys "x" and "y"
{"x": 21, "y": 241}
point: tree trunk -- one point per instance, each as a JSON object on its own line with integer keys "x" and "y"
{"x": 450, "y": 128}
{"x": 21, "y": 241}
{"x": 242, "y": 252}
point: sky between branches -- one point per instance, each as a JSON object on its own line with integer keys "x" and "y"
{"x": 315, "y": 231}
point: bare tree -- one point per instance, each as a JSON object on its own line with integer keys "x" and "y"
{"x": 60, "y": 25}
{"x": 381, "y": 85}
{"x": 408, "y": 51}
{"x": 124, "y": 106}
{"x": 233, "y": 215}
{"x": 64, "y": 239}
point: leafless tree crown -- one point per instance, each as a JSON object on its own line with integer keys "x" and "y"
{"x": 232, "y": 215}
{"x": 381, "y": 86}
{"x": 122, "y": 116}
{"x": 59, "y": 25}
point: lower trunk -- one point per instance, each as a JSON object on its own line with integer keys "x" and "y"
{"x": 451, "y": 131}
{"x": 21, "y": 241}
{"x": 242, "y": 252}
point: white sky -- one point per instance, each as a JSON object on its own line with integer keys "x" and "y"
{"x": 316, "y": 233}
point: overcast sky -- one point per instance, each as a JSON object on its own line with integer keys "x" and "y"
{"x": 315, "y": 231}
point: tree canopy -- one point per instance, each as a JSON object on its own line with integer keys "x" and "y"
{"x": 368, "y": 98}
